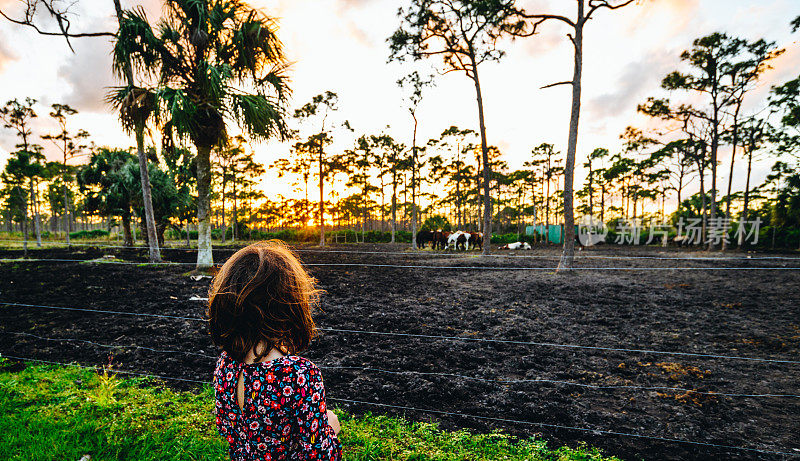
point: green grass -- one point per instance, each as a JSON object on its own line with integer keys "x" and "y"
{"x": 50, "y": 412}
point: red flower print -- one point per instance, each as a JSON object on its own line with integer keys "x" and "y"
{"x": 285, "y": 411}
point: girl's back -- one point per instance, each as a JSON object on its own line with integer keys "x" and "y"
{"x": 270, "y": 403}
{"x": 283, "y": 415}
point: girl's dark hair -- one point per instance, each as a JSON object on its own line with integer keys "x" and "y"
{"x": 262, "y": 294}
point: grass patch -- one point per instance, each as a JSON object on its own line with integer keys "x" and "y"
{"x": 154, "y": 266}
{"x": 50, "y": 412}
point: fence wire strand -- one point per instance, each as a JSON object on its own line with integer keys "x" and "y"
{"x": 579, "y": 255}
{"x": 439, "y": 337}
{"x": 571, "y": 428}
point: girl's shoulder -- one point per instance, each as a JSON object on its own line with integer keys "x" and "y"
{"x": 287, "y": 364}
{"x": 293, "y": 364}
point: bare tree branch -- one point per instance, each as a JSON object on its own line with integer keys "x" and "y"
{"x": 595, "y": 5}
{"x": 515, "y": 29}
{"x": 547, "y": 16}
{"x": 556, "y": 84}
{"x": 63, "y": 25}
{"x": 572, "y": 39}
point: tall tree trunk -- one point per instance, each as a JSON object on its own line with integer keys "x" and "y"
{"x": 704, "y": 206}
{"x": 66, "y": 203}
{"x": 24, "y": 228}
{"x": 730, "y": 174}
{"x": 714, "y": 149}
{"x": 602, "y": 203}
{"x": 126, "y": 229}
{"x": 414, "y": 187}
{"x": 547, "y": 207}
{"x": 224, "y": 226}
{"x": 394, "y": 205}
{"x": 205, "y": 256}
{"x": 307, "y": 214}
{"x": 591, "y": 189}
{"x": 35, "y": 205}
{"x": 568, "y": 252}
{"x": 746, "y": 195}
{"x": 487, "y": 167}
{"x": 459, "y": 201}
{"x": 321, "y": 218}
{"x": 155, "y": 252}
{"x": 235, "y": 222}
{"x": 150, "y": 222}
{"x": 364, "y": 211}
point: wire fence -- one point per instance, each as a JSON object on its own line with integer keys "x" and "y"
{"x": 436, "y": 337}
{"x": 443, "y": 337}
{"x": 499, "y": 381}
{"x": 426, "y": 253}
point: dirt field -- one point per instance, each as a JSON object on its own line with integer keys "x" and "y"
{"x": 743, "y": 312}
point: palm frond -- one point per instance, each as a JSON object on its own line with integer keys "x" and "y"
{"x": 136, "y": 45}
{"x": 277, "y": 80}
{"x": 259, "y": 116}
{"x": 174, "y": 106}
{"x": 135, "y": 105}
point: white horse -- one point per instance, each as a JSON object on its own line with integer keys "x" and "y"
{"x": 515, "y": 246}
{"x": 453, "y": 240}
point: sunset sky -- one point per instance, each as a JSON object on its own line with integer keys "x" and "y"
{"x": 340, "y": 45}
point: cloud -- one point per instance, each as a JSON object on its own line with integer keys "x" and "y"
{"x": 637, "y": 79}
{"x": 6, "y": 53}
{"x": 677, "y": 14}
{"x": 88, "y": 70}
{"x": 89, "y": 76}
{"x": 356, "y": 3}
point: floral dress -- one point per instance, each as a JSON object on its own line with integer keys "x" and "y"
{"x": 284, "y": 415}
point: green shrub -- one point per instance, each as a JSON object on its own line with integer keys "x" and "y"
{"x": 436, "y": 222}
{"x": 91, "y": 234}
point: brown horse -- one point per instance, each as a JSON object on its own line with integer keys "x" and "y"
{"x": 440, "y": 239}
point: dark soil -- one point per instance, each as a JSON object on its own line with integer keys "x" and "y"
{"x": 744, "y": 312}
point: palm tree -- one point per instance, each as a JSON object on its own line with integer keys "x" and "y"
{"x": 103, "y": 182}
{"x": 134, "y": 119}
{"x": 208, "y": 63}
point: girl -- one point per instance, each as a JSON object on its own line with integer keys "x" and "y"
{"x": 270, "y": 403}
